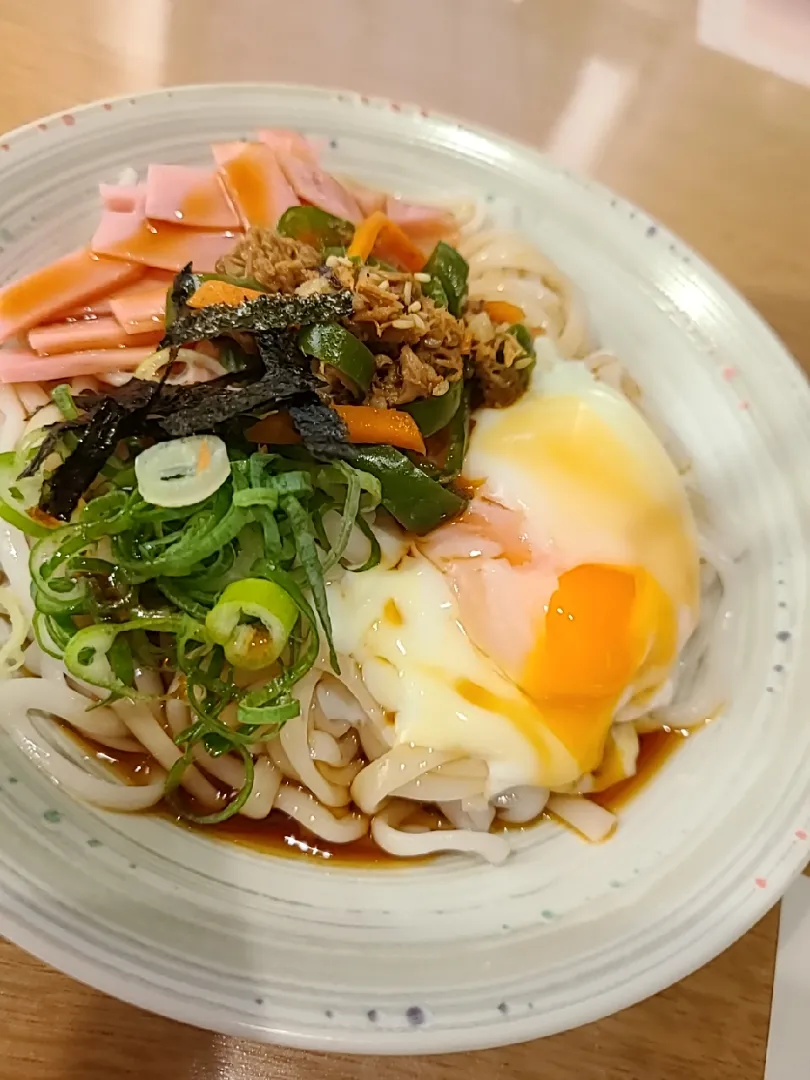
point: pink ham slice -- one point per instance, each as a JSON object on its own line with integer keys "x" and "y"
{"x": 122, "y": 198}
{"x": 280, "y": 140}
{"x": 95, "y": 334}
{"x": 312, "y": 185}
{"x": 191, "y": 196}
{"x": 21, "y": 366}
{"x": 421, "y": 223}
{"x": 151, "y": 280}
{"x": 254, "y": 181}
{"x": 299, "y": 160}
{"x": 142, "y": 311}
{"x": 70, "y": 281}
{"x": 89, "y": 311}
{"x": 369, "y": 200}
{"x": 158, "y": 243}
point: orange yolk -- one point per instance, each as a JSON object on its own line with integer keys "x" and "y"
{"x": 586, "y": 651}
{"x": 606, "y": 629}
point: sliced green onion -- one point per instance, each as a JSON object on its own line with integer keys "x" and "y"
{"x": 62, "y": 397}
{"x": 183, "y": 471}
{"x": 18, "y": 496}
{"x": 351, "y": 509}
{"x": 258, "y": 643}
{"x": 304, "y": 534}
{"x": 87, "y": 654}
{"x": 375, "y": 553}
{"x": 269, "y": 716}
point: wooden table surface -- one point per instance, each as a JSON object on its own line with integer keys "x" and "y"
{"x": 698, "y": 110}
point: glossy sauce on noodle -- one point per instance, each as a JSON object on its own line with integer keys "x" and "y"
{"x": 279, "y": 835}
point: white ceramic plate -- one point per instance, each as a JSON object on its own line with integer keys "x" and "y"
{"x": 452, "y": 955}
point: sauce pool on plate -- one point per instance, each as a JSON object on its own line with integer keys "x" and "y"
{"x": 279, "y": 835}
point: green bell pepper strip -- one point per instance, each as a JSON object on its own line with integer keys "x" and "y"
{"x": 452, "y": 271}
{"x": 433, "y": 413}
{"x": 458, "y": 438}
{"x": 17, "y": 495}
{"x": 254, "y": 644}
{"x": 417, "y": 502}
{"x": 315, "y": 227}
{"x": 331, "y": 344}
{"x": 435, "y": 291}
{"x": 523, "y": 337}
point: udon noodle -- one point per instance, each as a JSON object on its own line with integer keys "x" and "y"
{"x": 336, "y": 768}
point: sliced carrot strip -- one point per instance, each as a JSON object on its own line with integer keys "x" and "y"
{"x": 276, "y": 429}
{"x": 500, "y": 311}
{"x": 365, "y": 236}
{"x": 388, "y": 427}
{"x": 221, "y": 292}
{"x": 381, "y": 235}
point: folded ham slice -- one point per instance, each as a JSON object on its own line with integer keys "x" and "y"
{"x": 122, "y": 198}
{"x": 142, "y": 311}
{"x": 255, "y": 182}
{"x": 425, "y": 225}
{"x": 22, "y": 366}
{"x": 65, "y": 284}
{"x": 288, "y": 142}
{"x": 96, "y": 334}
{"x": 132, "y": 236}
{"x": 189, "y": 196}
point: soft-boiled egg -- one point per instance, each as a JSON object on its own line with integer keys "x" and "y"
{"x": 556, "y": 604}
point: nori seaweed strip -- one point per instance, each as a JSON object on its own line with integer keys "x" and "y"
{"x": 278, "y": 312}
{"x": 110, "y": 422}
{"x": 139, "y": 393}
{"x": 184, "y": 286}
{"x": 74, "y": 476}
{"x": 54, "y": 433}
{"x": 223, "y": 405}
{"x": 287, "y": 378}
{"x": 281, "y": 358}
{"x": 322, "y": 429}
{"x": 156, "y": 409}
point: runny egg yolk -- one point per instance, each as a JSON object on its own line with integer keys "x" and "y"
{"x": 605, "y": 629}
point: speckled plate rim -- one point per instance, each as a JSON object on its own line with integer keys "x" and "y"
{"x": 787, "y": 858}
